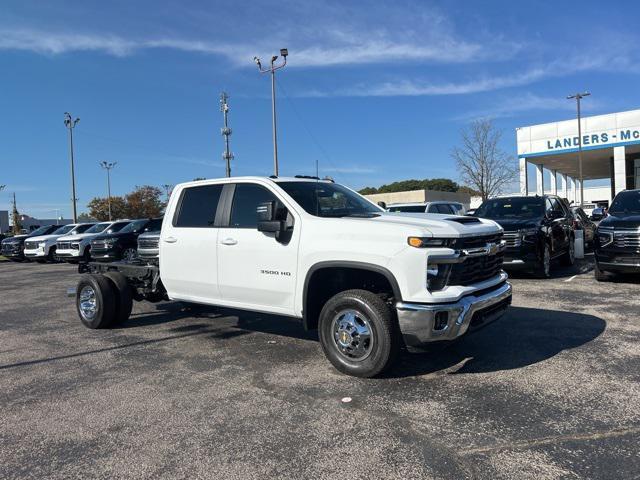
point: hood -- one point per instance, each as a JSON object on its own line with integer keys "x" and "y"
{"x": 15, "y": 239}
{"x": 621, "y": 221}
{"x": 512, "y": 224}
{"x": 43, "y": 238}
{"x": 74, "y": 237}
{"x": 155, "y": 234}
{"x": 438, "y": 225}
{"x": 104, "y": 236}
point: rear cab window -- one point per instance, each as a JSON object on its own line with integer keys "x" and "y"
{"x": 197, "y": 207}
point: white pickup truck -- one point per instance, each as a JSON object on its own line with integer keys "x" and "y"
{"x": 370, "y": 281}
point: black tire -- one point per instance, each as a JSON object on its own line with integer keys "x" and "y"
{"x": 51, "y": 256}
{"x": 41, "y": 260}
{"x": 383, "y": 341}
{"x": 97, "y": 291}
{"x": 124, "y": 303}
{"x": 601, "y": 275}
{"x": 569, "y": 258}
{"x": 543, "y": 269}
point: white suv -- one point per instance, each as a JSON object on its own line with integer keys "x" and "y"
{"x": 75, "y": 246}
{"x": 442, "y": 207}
{"x": 43, "y": 248}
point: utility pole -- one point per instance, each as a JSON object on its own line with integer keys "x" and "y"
{"x": 272, "y": 70}
{"x": 167, "y": 190}
{"x": 108, "y": 166}
{"x": 578, "y": 97}
{"x": 227, "y": 156}
{"x": 70, "y": 123}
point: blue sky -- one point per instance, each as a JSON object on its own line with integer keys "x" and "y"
{"x": 375, "y": 91}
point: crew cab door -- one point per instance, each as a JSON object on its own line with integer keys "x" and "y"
{"x": 559, "y": 225}
{"x": 188, "y": 245}
{"x": 255, "y": 269}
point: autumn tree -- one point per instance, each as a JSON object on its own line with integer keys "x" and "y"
{"x": 144, "y": 202}
{"x": 99, "y": 208}
{"x": 481, "y": 164}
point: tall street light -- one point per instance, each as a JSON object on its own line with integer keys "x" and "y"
{"x": 70, "y": 123}
{"x": 272, "y": 70}
{"x": 108, "y": 166}
{"x": 578, "y": 97}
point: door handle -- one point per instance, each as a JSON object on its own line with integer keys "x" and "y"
{"x": 171, "y": 239}
{"x": 229, "y": 241}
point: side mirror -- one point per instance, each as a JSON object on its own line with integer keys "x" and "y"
{"x": 382, "y": 205}
{"x": 270, "y": 218}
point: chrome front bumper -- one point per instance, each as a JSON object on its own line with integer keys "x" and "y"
{"x": 421, "y": 323}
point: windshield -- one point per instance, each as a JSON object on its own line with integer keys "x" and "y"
{"x": 154, "y": 225}
{"x": 82, "y": 228}
{"x": 323, "y": 199}
{"x": 41, "y": 231}
{"x": 63, "y": 230}
{"x": 407, "y": 208}
{"x": 134, "y": 226}
{"x": 625, "y": 202}
{"x": 98, "y": 227}
{"x": 520, "y": 207}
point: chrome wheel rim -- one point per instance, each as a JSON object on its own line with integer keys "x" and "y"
{"x": 88, "y": 303}
{"x": 547, "y": 261}
{"x": 352, "y": 334}
{"x": 129, "y": 254}
{"x": 572, "y": 251}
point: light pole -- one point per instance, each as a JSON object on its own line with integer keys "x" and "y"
{"x": 70, "y": 123}
{"x": 272, "y": 70}
{"x": 578, "y": 97}
{"x": 227, "y": 156}
{"x": 108, "y": 166}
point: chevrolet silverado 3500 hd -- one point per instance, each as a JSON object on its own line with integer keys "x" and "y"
{"x": 370, "y": 281}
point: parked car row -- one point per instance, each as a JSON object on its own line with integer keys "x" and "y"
{"x": 74, "y": 243}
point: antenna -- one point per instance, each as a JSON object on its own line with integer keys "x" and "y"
{"x": 227, "y": 156}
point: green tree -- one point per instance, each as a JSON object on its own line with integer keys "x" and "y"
{"x": 84, "y": 217}
{"x": 441, "y": 184}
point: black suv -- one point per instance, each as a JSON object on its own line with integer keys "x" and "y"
{"x": 617, "y": 243}
{"x": 536, "y": 230}
{"x": 13, "y": 247}
{"x": 120, "y": 245}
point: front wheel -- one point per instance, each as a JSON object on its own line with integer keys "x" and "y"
{"x": 569, "y": 257}
{"x": 359, "y": 333}
{"x": 544, "y": 264}
{"x": 129, "y": 255}
{"x": 601, "y": 275}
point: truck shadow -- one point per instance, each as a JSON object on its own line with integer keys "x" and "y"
{"x": 524, "y": 336}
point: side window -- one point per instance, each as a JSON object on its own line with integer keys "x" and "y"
{"x": 547, "y": 205}
{"x": 555, "y": 203}
{"x": 198, "y": 207}
{"x": 433, "y": 209}
{"x": 246, "y": 198}
{"x": 444, "y": 208}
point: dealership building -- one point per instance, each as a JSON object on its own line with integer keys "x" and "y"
{"x": 610, "y": 150}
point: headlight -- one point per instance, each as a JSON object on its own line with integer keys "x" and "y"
{"x": 437, "y": 275}
{"x": 41, "y": 244}
{"x": 529, "y": 234}
{"x": 605, "y": 237}
{"x": 75, "y": 246}
{"x": 421, "y": 242}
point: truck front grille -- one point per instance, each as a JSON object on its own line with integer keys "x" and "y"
{"x": 10, "y": 248}
{"x": 477, "y": 242}
{"x": 64, "y": 246}
{"x": 148, "y": 242}
{"x": 31, "y": 245}
{"x": 476, "y": 269}
{"x": 512, "y": 239}
{"x": 626, "y": 238}
{"x": 99, "y": 245}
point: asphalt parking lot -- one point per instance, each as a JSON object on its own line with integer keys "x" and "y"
{"x": 550, "y": 391}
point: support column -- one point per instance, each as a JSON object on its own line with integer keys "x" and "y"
{"x": 574, "y": 192}
{"x": 564, "y": 188}
{"x": 540, "y": 179}
{"x": 554, "y": 182}
{"x": 524, "y": 179}
{"x": 619, "y": 169}
{"x": 578, "y": 190}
